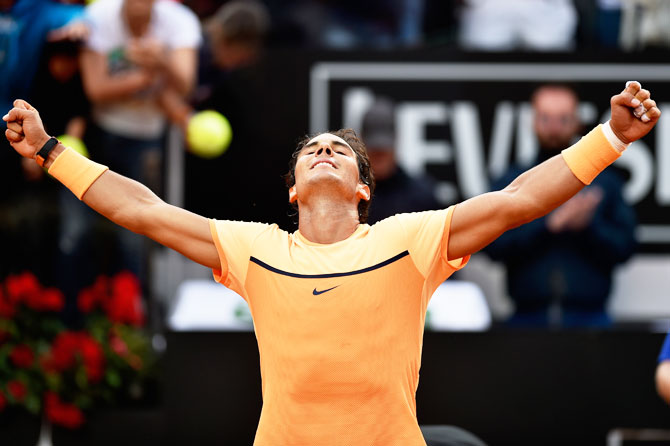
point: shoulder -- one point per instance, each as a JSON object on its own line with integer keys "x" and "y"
{"x": 104, "y": 10}
{"x": 416, "y": 221}
{"x": 177, "y": 24}
{"x": 174, "y": 12}
{"x": 236, "y": 225}
{"x": 247, "y": 232}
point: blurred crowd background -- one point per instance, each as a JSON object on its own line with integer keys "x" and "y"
{"x": 121, "y": 79}
{"x": 124, "y": 77}
{"x": 453, "y": 98}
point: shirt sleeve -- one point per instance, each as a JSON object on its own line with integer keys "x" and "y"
{"x": 100, "y": 34}
{"x": 428, "y": 239}
{"x": 186, "y": 31}
{"x": 234, "y": 241}
{"x": 60, "y": 15}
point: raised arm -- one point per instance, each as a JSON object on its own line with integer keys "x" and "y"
{"x": 480, "y": 220}
{"x": 122, "y": 200}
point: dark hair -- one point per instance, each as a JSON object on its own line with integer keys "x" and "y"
{"x": 364, "y": 171}
{"x": 563, "y": 86}
{"x": 243, "y": 22}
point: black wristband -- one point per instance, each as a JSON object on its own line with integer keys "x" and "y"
{"x": 43, "y": 153}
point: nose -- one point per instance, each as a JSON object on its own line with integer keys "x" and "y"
{"x": 325, "y": 149}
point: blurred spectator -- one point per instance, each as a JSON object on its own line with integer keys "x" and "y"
{"x": 608, "y": 22}
{"x": 663, "y": 371}
{"x": 396, "y": 192}
{"x": 138, "y": 50}
{"x": 25, "y": 26}
{"x": 27, "y": 214}
{"x": 644, "y": 24}
{"x": 347, "y": 24}
{"x": 234, "y": 38}
{"x": 65, "y": 111}
{"x": 559, "y": 267}
{"x": 58, "y": 91}
{"x": 495, "y": 25}
{"x": 236, "y": 33}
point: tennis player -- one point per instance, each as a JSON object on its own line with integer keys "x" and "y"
{"x": 338, "y": 305}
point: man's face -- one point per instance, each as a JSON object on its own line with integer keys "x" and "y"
{"x": 382, "y": 162}
{"x": 327, "y": 161}
{"x": 138, "y": 10}
{"x": 230, "y": 55}
{"x": 556, "y": 121}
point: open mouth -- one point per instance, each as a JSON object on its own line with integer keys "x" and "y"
{"x": 327, "y": 163}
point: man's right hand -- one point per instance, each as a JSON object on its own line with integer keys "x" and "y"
{"x": 25, "y": 131}
{"x": 576, "y": 213}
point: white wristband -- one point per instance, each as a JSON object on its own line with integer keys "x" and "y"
{"x": 613, "y": 139}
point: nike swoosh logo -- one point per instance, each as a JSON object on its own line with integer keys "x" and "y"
{"x": 316, "y": 293}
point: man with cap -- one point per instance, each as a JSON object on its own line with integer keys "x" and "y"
{"x": 396, "y": 191}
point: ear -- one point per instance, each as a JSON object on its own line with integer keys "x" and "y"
{"x": 363, "y": 192}
{"x": 292, "y": 194}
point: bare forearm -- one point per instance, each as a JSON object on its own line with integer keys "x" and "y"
{"x": 180, "y": 70}
{"x": 480, "y": 220}
{"x": 182, "y": 80}
{"x": 113, "y": 88}
{"x": 100, "y": 86}
{"x": 540, "y": 190}
{"x": 118, "y": 198}
{"x": 122, "y": 201}
{"x": 133, "y": 206}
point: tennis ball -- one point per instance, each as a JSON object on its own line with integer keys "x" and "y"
{"x": 75, "y": 143}
{"x": 208, "y": 134}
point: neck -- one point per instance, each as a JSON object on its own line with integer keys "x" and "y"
{"x": 137, "y": 28}
{"x": 137, "y": 25}
{"x": 326, "y": 221}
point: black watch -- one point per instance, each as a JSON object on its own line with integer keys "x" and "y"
{"x": 43, "y": 153}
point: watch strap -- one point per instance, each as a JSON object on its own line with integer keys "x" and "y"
{"x": 43, "y": 153}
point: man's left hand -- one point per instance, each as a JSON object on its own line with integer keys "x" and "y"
{"x": 632, "y": 102}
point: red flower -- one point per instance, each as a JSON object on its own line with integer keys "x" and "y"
{"x": 125, "y": 304}
{"x": 61, "y": 413}
{"x": 101, "y": 286}
{"x": 86, "y": 301}
{"x": 22, "y": 287}
{"x": 68, "y": 346}
{"x": 17, "y": 390}
{"x": 7, "y": 308}
{"x": 125, "y": 283}
{"x": 118, "y": 345}
{"x": 93, "y": 356}
{"x": 22, "y": 356}
{"x": 89, "y": 298}
{"x": 25, "y": 289}
{"x": 3, "y": 401}
{"x": 62, "y": 354}
{"x": 50, "y": 299}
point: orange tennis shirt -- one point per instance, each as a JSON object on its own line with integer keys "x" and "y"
{"x": 339, "y": 326}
